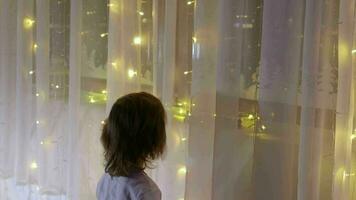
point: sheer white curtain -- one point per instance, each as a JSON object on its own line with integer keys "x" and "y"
{"x": 259, "y": 95}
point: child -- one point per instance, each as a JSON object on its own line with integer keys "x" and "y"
{"x": 132, "y": 136}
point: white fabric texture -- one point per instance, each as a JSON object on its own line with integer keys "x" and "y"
{"x": 259, "y": 95}
{"x": 137, "y": 186}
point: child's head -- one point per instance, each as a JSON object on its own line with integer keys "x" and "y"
{"x": 134, "y": 133}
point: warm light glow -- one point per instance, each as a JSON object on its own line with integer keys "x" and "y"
{"x": 31, "y": 72}
{"x": 28, "y": 22}
{"x": 184, "y": 139}
{"x": 34, "y": 165}
{"x": 57, "y": 86}
{"x": 37, "y": 94}
{"x": 182, "y": 170}
{"x": 103, "y": 34}
{"x": 92, "y": 100}
{"x": 181, "y": 111}
{"x": 102, "y": 122}
{"x": 353, "y": 51}
{"x": 114, "y": 64}
{"x": 346, "y": 174}
{"x": 353, "y": 136}
{"x": 263, "y": 127}
{"x": 344, "y": 52}
{"x": 114, "y": 8}
{"x": 104, "y": 92}
{"x": 187, "y": 72}
{"x": 141, "y": 13}
{"x": 214, "y": 115}
{"x": 194, "y": 39}
{"x": 37, "y": 122}
{"x": 131, "y": 73}
{"x": 42, "y": 142}
{"x": 250, "y": 116}
{"x": 137, "y": 40}
{"x": 35, "y": 46}
{"x": 190, "y": 2}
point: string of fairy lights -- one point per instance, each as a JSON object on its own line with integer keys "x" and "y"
{"x": 181, "y": 110}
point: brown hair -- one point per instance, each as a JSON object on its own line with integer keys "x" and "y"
{"x": 134, "y": 134}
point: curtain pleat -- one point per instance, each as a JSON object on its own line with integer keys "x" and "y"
{"x": 345, "y": 103}
{"x": 25, "y": 124}
{"x": 74, "y": 187}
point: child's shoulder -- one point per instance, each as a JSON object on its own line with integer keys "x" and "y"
{"x": 136, "y": 185}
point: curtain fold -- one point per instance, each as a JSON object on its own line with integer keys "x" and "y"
{"x": 345, "y": 103}
{"x": 24, "y": 123}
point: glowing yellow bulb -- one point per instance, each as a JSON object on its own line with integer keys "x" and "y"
{"x": 35, "y": 46}
{"x": 114, "y": 64}
{"x": 187, "y": 72}
{"x": 353, "y": 136}
{"x": 131, "y": 73}
{"x": 114, "y": 8}
{"x": 181, "y": 111}
{"x": 353, "y": 51}
{"x": 182, "y": 170}
{"x": 194, "y": 39}
{"x": 190, "y": 2}
{"x": 28, "y": 22}
{"x": 92, "y": 100}
{"x": 103, "y": 35}
{"x": 104, "y": 92}
{"x": 102, "y": 122}
{"x": 34, "y": 165}
{"x": 57, "y": 86}
{"x": 250, "y": 116}
{"x": 141, "y": 13}
{"x": 31, "y": 72}
{"x": 184, "y": 139}
{"x": 37, "y": 94}
{"x": 137, "y": 40}
{"x": 263, "y": 127}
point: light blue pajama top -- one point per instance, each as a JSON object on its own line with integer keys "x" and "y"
{"x": 137, "y": 186}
